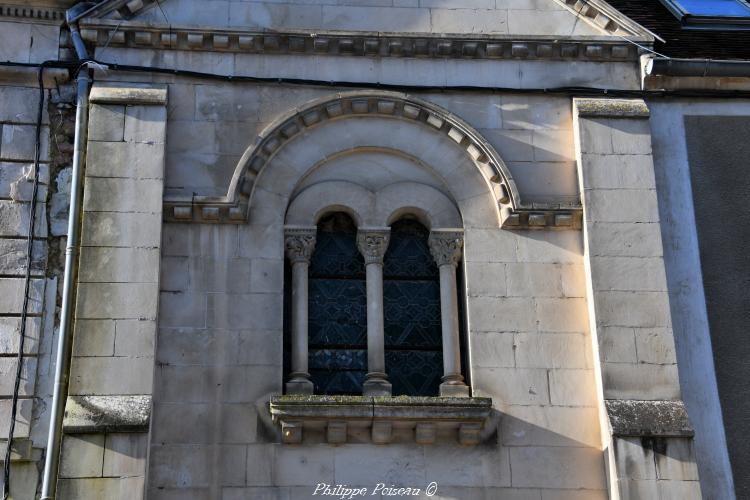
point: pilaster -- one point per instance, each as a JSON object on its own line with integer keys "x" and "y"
{"x": 112, "y": 367}
{"x": 643, "y": 418}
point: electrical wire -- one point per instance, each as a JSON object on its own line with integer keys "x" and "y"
{"x": 576, "y": 91}
{"x": 27, "y": 282}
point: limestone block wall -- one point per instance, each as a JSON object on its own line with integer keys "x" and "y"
{"x": 111, "y": 377}
{"x": 219, "y": 350}
{"x": 19, "y": 99}
{"x": 651, "y": 452}
{"x": 219, "y": 357}
{"x": 212, "y": 124}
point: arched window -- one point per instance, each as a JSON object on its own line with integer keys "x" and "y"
{"x": 337, "y": 325}
{"x": 411, "y": 303}
{"x": 373, "y": 310}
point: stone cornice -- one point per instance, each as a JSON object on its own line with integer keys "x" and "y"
{"x": 388, "y": 419}
{"x": 31, "y": 13}
{"x": 611, "y": 108}
{"x": 603, "y": 16}
{"x": 356, "y": 43}
{"x": 636, "y": 418}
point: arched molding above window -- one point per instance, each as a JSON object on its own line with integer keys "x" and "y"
{"x": 374, "y": 209}
{"x": 360, "y": 119}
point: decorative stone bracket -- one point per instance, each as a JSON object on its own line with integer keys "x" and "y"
{"x": 381, "y": 420}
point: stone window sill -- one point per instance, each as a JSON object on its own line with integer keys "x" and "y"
{"x": 381, "y": 420}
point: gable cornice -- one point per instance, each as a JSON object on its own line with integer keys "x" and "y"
{"x": 100, "y": 32}
{"x": 30, "y": 13}
{"x": 601, "y": 15}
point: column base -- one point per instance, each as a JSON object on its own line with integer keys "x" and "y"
{"x": 454, "y": 390}
{"x": 376, "y": 384}
{"x": 453, "y": 386}
{"x": 299, "y": 384}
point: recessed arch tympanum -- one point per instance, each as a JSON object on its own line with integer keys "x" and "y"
{"x": 406, "y": 125}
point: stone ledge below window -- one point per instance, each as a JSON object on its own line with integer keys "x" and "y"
{"x": 381, "y": 420}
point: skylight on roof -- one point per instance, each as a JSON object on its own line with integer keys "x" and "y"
{"x": 711, "y": 14}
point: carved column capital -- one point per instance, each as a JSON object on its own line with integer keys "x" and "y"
{"x": 446, "y": 247}
{"x": 299, "y": 243}
{"x": 373, "y": 243}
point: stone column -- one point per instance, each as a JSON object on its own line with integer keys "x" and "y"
{"x": 372, "y": 243}
{"x": 299, "y": 243}
{"x": 446, "y": 248}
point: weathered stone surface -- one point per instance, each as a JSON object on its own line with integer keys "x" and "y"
{"x": 135, "y": 160}
{"x": 8, "y": 369}
{"x": 616, "y": 108}
{"x": 10, "y": 335}
{"x": 122, "y": 195}
{"x": 121, "y": 488}
{"x": 87, "y": 414}
{"x": 640, "y": 381}
{"x": 485, "y": 466}
{"x": 145, "y": 124}
{"x": 118, "y": 265}
{"x": 125, "y": 454}
{"x": 132, "y": 94}
{"x": 13, "y": 257}
{"x": 557, "y": 467}
{"x": 23, "y": 417}
{"x": 18, "y": 142}
{"x": 14, "y": 219}
{"x": 106, "y": 123}
{"x": 521, "y": 386}
{"x": 82, "y": 456}
{"x": 115, "y": 376}
{"x": 648, "y": 418}
{"x": 121, "y": 229}
{"x": 94, "y": 337}
{"x": 634, "y": 460}
{"x": 117, "y": 300}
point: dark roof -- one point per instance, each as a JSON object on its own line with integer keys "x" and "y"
{"x": 680, "y": 42}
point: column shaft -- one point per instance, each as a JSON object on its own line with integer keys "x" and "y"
{"x": 299, "y": 243}
{"x": 372, "y": 244}
{"x": 299, "y": 317}
{"x": 446, "y": 248}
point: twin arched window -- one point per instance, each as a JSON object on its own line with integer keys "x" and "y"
{"x": 404, "y": 282}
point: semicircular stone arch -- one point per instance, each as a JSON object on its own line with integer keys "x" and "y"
{"x": 286, "y": 150}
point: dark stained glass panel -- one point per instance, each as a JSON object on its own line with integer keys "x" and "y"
{"x": 337, "y": 309}
{"x": 411, "y": 304}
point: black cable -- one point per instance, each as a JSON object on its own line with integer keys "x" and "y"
{"x": 29, "y": 260}
{"x": 572, "y": 90}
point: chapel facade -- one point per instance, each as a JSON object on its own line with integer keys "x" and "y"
{"x": 321, "y": 248}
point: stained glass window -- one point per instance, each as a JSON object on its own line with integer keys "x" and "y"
{"x": 337, "y": 322}
{"x": 411, "y": 293}
{"x": 337, "y": 309}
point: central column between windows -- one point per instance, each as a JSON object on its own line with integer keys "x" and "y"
{"x": 372, "y": 244}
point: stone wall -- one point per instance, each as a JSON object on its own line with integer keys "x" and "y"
{"x": 219, "y": 351}
{"x": 412, "y": 16}
{"x": 693, "y": 339}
